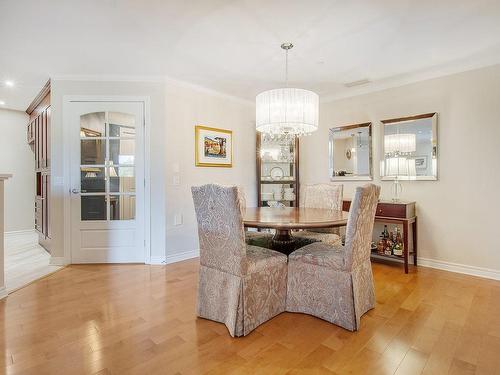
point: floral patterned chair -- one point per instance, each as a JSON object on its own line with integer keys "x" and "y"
{"x": 241, "y": 286}
{"x": 335, "y": 283}
{"x": 326, "y": 196}
{"x": 253, "y": 237}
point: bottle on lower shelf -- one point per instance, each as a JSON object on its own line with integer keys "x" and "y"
{"x": 398, "y": 246}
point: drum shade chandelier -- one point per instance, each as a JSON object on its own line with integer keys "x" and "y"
{"x": 288, "y": 111}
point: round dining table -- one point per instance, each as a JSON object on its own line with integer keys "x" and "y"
{"x": 286, "y": 219}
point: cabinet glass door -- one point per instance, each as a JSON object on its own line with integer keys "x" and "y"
{"x": 278, "y": 169}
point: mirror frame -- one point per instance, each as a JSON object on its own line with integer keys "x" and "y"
{"x": 434, "y": 141}
{"x": 335, "y": 129}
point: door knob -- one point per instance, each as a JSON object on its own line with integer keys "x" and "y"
{"x": 75, "y": 191}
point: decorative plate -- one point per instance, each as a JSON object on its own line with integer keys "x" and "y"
{"x": 277, "y": 173}
{"x": 348, "y": 154}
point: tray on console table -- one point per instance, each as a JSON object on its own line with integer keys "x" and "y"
{"x": 403, "y": 213}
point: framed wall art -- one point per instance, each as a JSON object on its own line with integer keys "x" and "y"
{"x": 213, "y": 147}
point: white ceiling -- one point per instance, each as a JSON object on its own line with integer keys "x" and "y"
{"x": 233, "y": 46}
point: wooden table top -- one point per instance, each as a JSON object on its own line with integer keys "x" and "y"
{"x": 293, "y": 218}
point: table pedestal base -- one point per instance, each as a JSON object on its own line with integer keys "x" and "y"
{"x": 283, "y": 241}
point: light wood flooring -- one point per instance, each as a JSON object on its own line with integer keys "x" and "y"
{"x": 137, "y": 319}
{"x": 25, "y": 260}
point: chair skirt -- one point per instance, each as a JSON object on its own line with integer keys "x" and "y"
{"x": 242, "y": 303}
{"x": 330, "y": 294}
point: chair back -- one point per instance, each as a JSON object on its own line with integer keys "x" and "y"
{"x": 328, "y": 196}
{"x": 360, "y": 224}
{"x": 220, "y": 227}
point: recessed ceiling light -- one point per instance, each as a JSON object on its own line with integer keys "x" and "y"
{"x": 9, "y": 83}
{"x": 2, "y": 102}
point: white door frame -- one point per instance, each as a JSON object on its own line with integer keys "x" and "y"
{"x": 146, "y": 102}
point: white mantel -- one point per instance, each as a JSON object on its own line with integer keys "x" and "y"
{"x": 3, "y": 291}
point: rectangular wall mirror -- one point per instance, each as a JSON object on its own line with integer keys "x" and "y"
{"x": 350, "y": 150}
{"x": 409, "y": 148}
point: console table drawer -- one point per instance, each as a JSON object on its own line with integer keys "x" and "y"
{"x": 391, "y": 210}
{"x": 399, "y": 210}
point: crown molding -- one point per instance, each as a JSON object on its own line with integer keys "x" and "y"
{"x": 39, "y": 98}
{"x": 462, "y": 66}
{"x": 109, "y": 78}
{"x": 206, "y": 90}
{"x": 151, "y": 79}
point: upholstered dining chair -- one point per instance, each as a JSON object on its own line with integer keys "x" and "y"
{"x": 335, "y": 283}
{"x": 327, "y": 196}
{"x": 240, "y": 285}
{"x": 253, "y": 237}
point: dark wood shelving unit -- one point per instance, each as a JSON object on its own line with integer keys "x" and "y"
{"x": 291, "y": 167}
{"x": 38, "y": 137}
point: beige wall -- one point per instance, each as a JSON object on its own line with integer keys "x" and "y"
{"x": 458, "y": 214}
{"x": 175, "y": 110}
{"x": 59, "y": 169}
{"x": 185, "y": 108}
{"x": 16, "y": 158}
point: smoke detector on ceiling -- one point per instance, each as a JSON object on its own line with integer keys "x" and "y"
{"x": 357, "y": 83}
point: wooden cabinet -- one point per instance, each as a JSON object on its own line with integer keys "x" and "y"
{"x": 38, "y": 137}
{"x": 277, "y": 171}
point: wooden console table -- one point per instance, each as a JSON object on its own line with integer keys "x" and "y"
{"x": 397, "y": 213}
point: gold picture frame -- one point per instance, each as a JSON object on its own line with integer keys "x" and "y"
{"x": 213, "y": 147}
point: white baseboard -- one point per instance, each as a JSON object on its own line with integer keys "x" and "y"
{"x": 19, "y": 232}
{"x": 3, "y": 292}
{"x": 57, "y": 261}
{"x": 460, "y": 268}
{"x": 178, "y": 257}
{"x": 157, "y": 260}
{"x": 424, "y": 262}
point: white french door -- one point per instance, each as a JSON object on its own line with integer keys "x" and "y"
{"x": 107, "y": 181}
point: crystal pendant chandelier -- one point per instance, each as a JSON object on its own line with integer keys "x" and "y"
{"x": 287, "y": 112}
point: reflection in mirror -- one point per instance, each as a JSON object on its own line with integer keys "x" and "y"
{"x": 410, "y": 148}
{"x": 350, "y": 152}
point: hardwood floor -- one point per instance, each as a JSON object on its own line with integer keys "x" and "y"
{"x": 136, "y": 319}
{"x": 25, "y": 260}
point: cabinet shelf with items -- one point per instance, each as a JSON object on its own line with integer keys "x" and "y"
{"x": 401, "y": 214}
{"x": 277, "y": 171}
